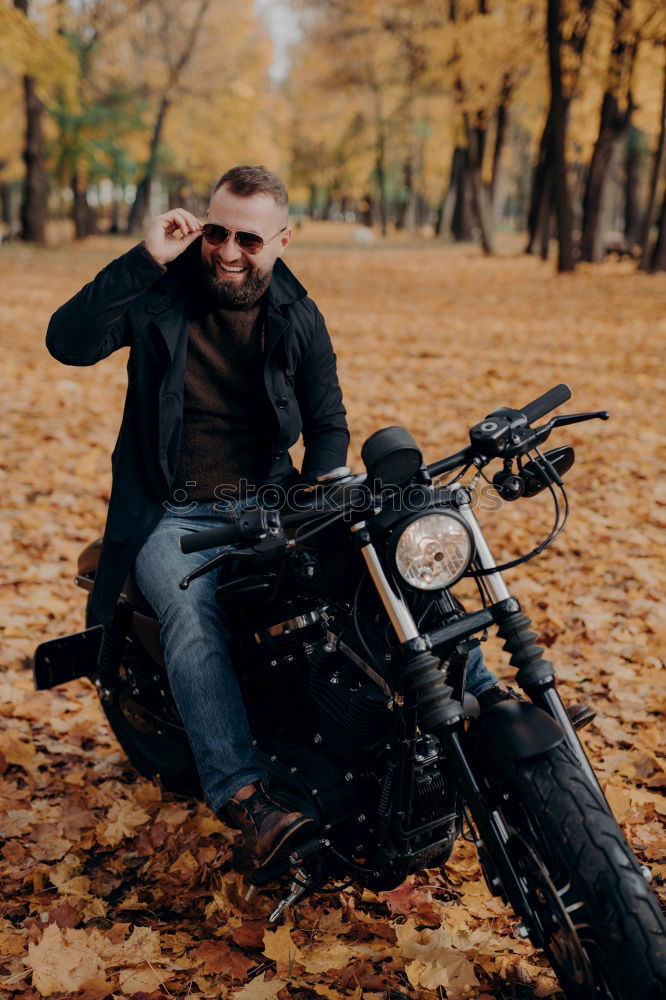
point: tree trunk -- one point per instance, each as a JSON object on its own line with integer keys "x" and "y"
{"x": 541, "y": 195}
{"x": 312, "y": 201}
{"x": 633, "y": 166}
{"x": 380, "y": 172}
{"x": 405, "y": 205}
{"x": 562, "y": 197}
{"x": 80, "y": 207}
{"x": 447, "y": 205}
{"x": 544, "y": 223}
{"x": 613, "y": 123}
{"x": 142, "y": 198}
{"x": 6, "y": 209}
{"x": 545, "y": 163}
{"x": 646, "y": 229}
{"x": 500, "y": 138}
{"x": 476, "y": 142}
{"x": 658, "y": 259}
{"x": 462, "y": 220}
{"x": 34, "y": 197}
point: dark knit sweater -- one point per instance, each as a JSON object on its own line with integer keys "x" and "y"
{"x": 228, "y": 422}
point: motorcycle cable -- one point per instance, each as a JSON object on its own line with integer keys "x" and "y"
{"x": 357, "y": 628}
{"x": 556, "y": 530}
{"x": 452, "y": 482}
{"x": 319, "y": 524}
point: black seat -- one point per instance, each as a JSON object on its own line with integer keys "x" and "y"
{"x": 132, "y": 593}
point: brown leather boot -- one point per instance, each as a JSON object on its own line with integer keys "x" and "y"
{"x": 268, "y": 830}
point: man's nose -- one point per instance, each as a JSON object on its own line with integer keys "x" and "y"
{"x": 229, "y": 251}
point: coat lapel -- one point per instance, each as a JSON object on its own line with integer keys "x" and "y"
{"x": 168, "y": 314}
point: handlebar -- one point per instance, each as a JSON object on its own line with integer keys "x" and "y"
{"x": 212, "y": 538}
{"x": 545, "y": 403}
{"x": 250, "y": 527}
{"x": 506, "y": 432}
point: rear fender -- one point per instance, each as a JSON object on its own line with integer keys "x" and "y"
{"x": 58, "y": 661}
{"x": 516, "y": 730}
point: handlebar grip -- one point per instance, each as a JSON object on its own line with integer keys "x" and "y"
{"x": 544, "y": 404}
{"x": 196, "y": 541}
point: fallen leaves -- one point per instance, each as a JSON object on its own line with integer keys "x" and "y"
{"x": 67, "y": 960}
{"x": 111, "y": 887}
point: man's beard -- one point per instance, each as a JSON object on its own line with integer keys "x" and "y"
{"x": 229, "y": 295}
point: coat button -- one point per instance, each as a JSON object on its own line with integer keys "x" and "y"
{"x": 281, "y": 401}
{"x": 277, "y": 456}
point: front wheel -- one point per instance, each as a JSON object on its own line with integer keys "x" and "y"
{"x": 592, "y": 911}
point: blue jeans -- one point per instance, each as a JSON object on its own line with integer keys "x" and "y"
{"x": 195, "y": 638}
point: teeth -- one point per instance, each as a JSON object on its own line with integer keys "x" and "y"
{"x": 232, "y": 270}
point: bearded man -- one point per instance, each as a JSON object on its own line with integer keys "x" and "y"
{"x": 229, "y": 362}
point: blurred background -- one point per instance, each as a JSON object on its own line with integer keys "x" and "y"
{"x": 453, "y": 120}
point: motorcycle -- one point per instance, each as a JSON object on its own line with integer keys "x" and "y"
{"x": 352, "y": 652}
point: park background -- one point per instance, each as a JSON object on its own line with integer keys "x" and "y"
{"x": 479, "y": 209}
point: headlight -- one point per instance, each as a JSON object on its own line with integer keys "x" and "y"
{"x": 433, "y": 551}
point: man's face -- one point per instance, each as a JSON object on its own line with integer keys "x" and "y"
{"x": 235, "y": 277}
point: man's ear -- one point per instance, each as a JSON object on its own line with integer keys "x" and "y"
{"x": 284, "y": 240}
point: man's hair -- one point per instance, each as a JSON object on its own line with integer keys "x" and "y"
{"x": 246, "y": 181}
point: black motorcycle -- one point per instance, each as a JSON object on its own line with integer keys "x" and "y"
{"x": 352, "y": 651}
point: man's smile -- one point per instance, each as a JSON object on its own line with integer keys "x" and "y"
{"x": 230, "y": 269}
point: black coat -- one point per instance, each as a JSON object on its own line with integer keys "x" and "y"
{"x": 134, "y": 303}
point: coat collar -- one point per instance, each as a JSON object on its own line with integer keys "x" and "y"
{"x": 284, "y": 288}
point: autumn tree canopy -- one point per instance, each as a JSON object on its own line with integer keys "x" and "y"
{"x": 454, "y": 117}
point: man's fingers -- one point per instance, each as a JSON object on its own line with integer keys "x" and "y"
{"x": 178, "y": 218}
{"x": 188, "y": 238}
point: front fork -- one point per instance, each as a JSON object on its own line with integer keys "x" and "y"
{"x": 536, "y": 675}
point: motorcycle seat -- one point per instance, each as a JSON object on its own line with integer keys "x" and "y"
{"x": 133, "y": 594}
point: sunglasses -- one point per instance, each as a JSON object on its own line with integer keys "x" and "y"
{"x": 249, "y": 242}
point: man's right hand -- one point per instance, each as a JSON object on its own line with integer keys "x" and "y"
{"x": 161, "y": 241}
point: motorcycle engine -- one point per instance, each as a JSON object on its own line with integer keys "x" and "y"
{"x": 318, "y": 719}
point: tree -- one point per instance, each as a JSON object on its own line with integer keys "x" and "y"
{"x": 33, "y": 202}
{"x": 558, "y": 142}
{"x": 616, "y": 110}
{"x": 95, "y": 122}
{"x": 648, "y": 258}
{"x": 177, "y": 29}
{"x": 567, "y": 38}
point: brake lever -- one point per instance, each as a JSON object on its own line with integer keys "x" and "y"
{"x": 530, "y": 438}
{"x": 577, "y": 418}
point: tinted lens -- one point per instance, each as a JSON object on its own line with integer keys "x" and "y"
{"x": 249, "y": 242}
{"x": 214, "y": 234}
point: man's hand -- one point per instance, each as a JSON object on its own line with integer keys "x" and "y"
{"x": 161, "y": 241}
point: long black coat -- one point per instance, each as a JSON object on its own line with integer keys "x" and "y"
{"x": 134, "y": 303}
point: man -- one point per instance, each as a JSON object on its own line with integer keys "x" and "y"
{"x": 229, "y": 362}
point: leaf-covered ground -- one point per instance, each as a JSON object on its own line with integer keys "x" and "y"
{"x": 110, "y": 887}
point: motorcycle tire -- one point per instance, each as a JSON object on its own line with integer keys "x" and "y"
{"x": 155, "y": 750}
{"x": 599, "y": 922}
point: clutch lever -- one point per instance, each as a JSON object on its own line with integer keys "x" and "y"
{"x": 213, "y": 563}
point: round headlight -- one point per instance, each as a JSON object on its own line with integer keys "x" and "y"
{"x": 433, "y": 551}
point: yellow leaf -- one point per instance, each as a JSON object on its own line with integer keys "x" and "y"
{"x": 63, "y": 961}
